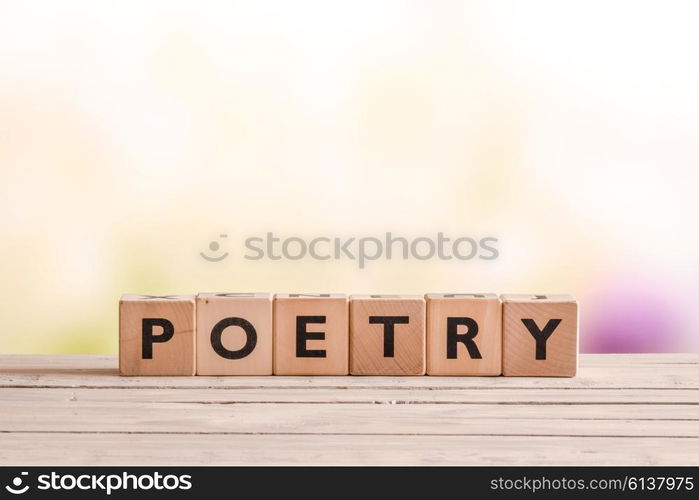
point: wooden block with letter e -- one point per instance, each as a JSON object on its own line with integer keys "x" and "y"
{"x": 311, "y": 334}
{"x": 234, "y": 334}
{"x": 156, "y": 335}
{"x": 464, "y": 334}
{"x": 387, "y": 335}
{"x": 540, "y": 335}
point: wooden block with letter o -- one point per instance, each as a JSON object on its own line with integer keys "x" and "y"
{"x": 234, "y": 334}
{"x": 540, "y": 335}
{"x": 311, "y": 334}
{"x": 387, "y": 335}
{"x": 464, "y": 334}
{"x": 156, "y": 335}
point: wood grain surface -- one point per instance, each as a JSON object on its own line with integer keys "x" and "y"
{"x": 484, "y": 310}
{"x": 256, "y": 310}
{"x": 620, "y": 409}
{"x": 553, "y": 317}
{"x": 325, "y": 330}
{"x": 387, "y": 335}
{"x": 174, "y": 356}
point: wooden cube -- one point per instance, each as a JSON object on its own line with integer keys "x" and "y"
{"x": 387, "y": 335}
{"x": 540, "y": 335}
{"x": 234, "y": 334}
{"x": 311, "y": 334}
{"x": 464, "y": 334}
{"x": 156, "y": 335}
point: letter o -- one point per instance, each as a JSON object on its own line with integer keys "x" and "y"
{"x": 302, "y": 248}
{"x": 474, "y": 248}
{"x": 217, "y": 333}
{"x": 414, "y": 244}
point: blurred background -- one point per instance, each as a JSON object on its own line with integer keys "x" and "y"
{"x": 133, "y": 134}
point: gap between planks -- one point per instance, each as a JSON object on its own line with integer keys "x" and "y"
{"x": 335, "y": 433}
{"x": 23, "y": 396}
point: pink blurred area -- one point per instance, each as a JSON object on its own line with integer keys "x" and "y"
{"x": 632, "y": 314}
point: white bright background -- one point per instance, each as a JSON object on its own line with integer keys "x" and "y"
{"x": 133, "y": 133}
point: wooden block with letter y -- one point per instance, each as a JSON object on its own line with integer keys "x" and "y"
{"x": 540, "y": 335}
{"x": 311, "y": 334}
{"x": 156, "y": 335}
{"x": 464, "y": 334}
{"x": 387, "y": 335}
{"x": 234, "y": 334}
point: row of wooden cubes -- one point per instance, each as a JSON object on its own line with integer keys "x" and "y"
{"x": 331, "y": 334}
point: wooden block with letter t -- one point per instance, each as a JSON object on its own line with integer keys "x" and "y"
{"x": 464, "y": 334}
{"x": 156, "y": 335}
{"x": 387, "y": 335}
{"x": 540, "y": 335}
{"x": 234, "y": 334}
{"x": 311, "y": 334}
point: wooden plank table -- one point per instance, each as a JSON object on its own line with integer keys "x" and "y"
{"x": 621, "y": 409}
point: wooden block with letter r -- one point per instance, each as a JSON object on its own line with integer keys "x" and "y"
{"x": 540, "y": 335}
{"x": 234, "y": 334}
{"x": 387, "y": 335}
{"x": 156, "y": 335}
{"x": 464, "y": 334}
{"x": 311, "y": 334}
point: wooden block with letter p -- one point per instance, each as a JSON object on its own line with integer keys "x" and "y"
{"x": 464, "y": 334}
{"x": 156, "y": 335}
{"x": 540, "y": 335}
{"x": 387, "y": 335}
{"x": 234, "y": 334}
{"x": 311, "y": 334}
